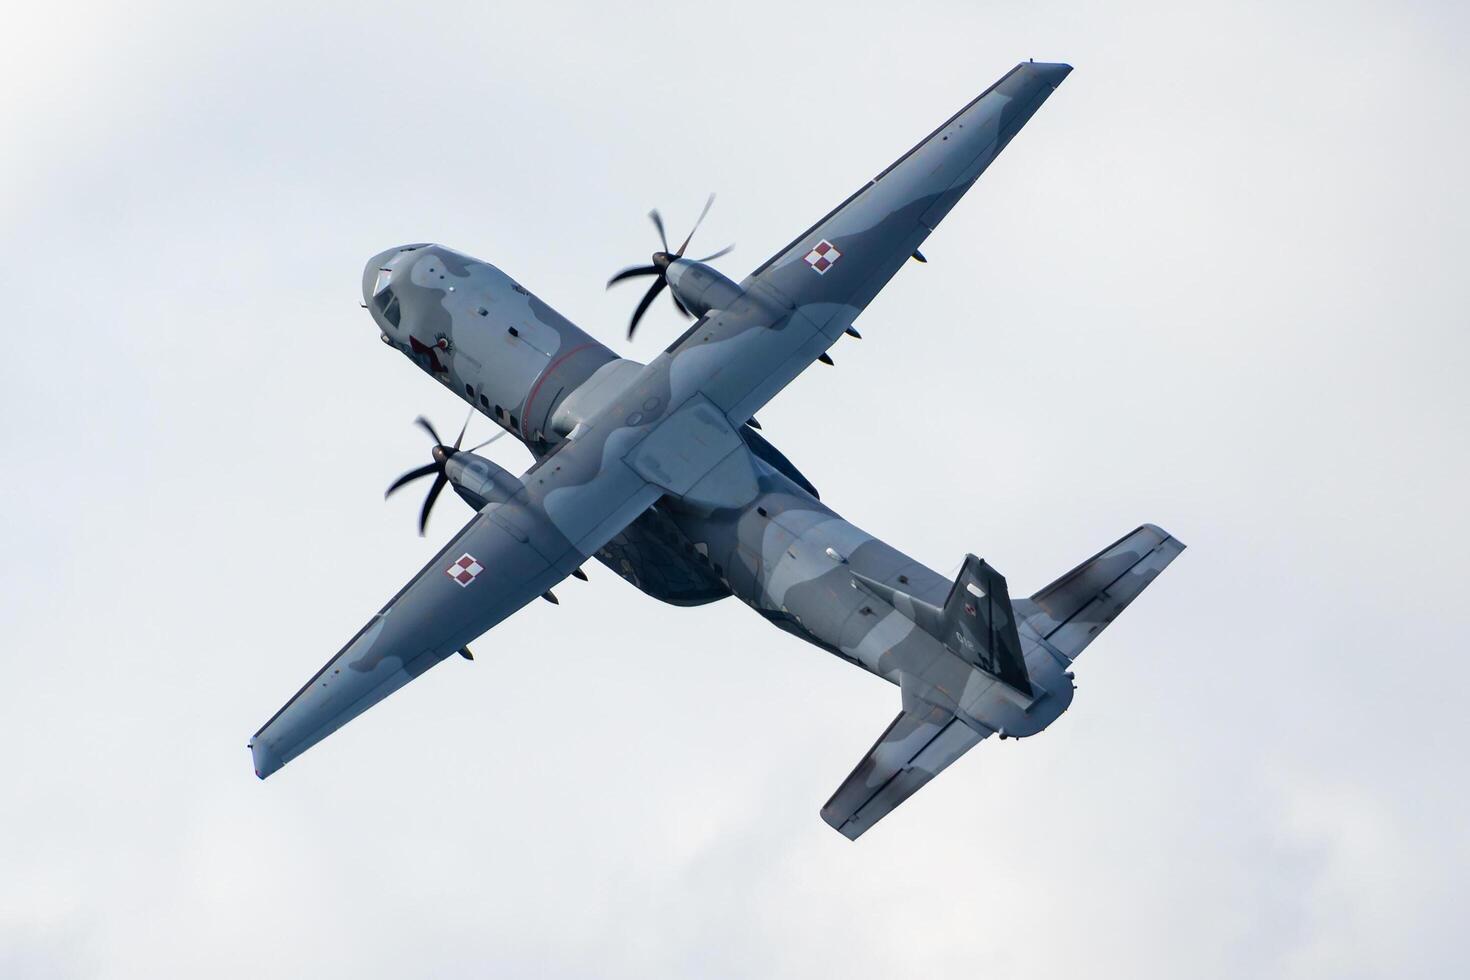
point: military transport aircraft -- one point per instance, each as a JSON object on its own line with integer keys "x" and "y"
{"x": 658, "y": 472}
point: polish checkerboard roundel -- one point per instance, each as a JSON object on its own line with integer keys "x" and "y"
{"x": 464, "y": 570}
{"x": 823, "y": 256}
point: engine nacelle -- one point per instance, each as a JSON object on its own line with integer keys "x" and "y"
{"x": 700, "y": 287}
{"x": 480, "y": 482}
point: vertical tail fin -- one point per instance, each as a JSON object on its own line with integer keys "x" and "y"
{"x": 976, "y": 622}
{"x": 978, "y": 618}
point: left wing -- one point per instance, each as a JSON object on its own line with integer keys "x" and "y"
{"x": 801, "y": 300}
{"x": 921, "y": 742}
{"x": 568, "y": 506}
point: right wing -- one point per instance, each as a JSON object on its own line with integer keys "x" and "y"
{"x": 922, "y": 740}
{"x": 509, "y": 554}
{"x": 804, "y": 297}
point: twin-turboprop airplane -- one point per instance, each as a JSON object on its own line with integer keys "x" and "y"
{"x": 657, "y": 471}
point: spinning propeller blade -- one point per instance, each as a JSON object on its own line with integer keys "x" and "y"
{"x": 661, "y": 261}
{"x": 434, "y": 491}
{"x": 409, "y": 477}
{"x": 428, "y": 427}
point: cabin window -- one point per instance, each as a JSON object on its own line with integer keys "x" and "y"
{"x": 513, "y": 423}
{"x": 469, "y": 391}
{"x": 513, "y": 332}
{"x": 499, "y": 412}
{"x": 484, "y": 402}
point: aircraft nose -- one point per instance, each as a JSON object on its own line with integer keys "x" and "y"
{"x": 374, "y": 274}
{"x": 370, "y": 272}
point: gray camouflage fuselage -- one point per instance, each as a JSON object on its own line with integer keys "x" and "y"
{"x": 752, "y": 532}
{"x": 657, "y": 471}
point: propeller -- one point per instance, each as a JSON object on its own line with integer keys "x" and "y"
{"x": 442, "y": 455}
{"x": 662, "y": 259}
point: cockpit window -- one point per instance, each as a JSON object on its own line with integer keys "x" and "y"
{"x": 383, "y": 276}
{"x": 387, "y": 304}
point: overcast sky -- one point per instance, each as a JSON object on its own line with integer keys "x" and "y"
{"x": 1218, "y": 283}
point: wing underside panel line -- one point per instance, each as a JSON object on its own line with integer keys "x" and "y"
{"x": 900, "y": 771}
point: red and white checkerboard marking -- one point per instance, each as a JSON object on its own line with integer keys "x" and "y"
{"x": 823, "y": 257}
{"x": 464, "y": 570}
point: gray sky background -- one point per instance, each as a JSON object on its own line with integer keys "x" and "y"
{"x": 1217, "y": 283}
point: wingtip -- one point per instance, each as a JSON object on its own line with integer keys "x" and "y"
{"x": 1053, "y": 71}
{"x": 1163, "y": 534}
{"x": 264, "y": 760}
{"x": 843, "y": 825}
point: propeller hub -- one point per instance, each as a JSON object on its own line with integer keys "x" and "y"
{"x": 443, "y": 454}
{"x": 662, "y": 260}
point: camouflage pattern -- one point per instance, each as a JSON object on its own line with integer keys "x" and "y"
{"x": 654, "y": 470}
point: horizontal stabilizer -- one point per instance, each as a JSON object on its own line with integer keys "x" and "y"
{"x": 1076, "y": 607}
{"x": 920, "y": 743}
{"x": 979, "y": 615}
